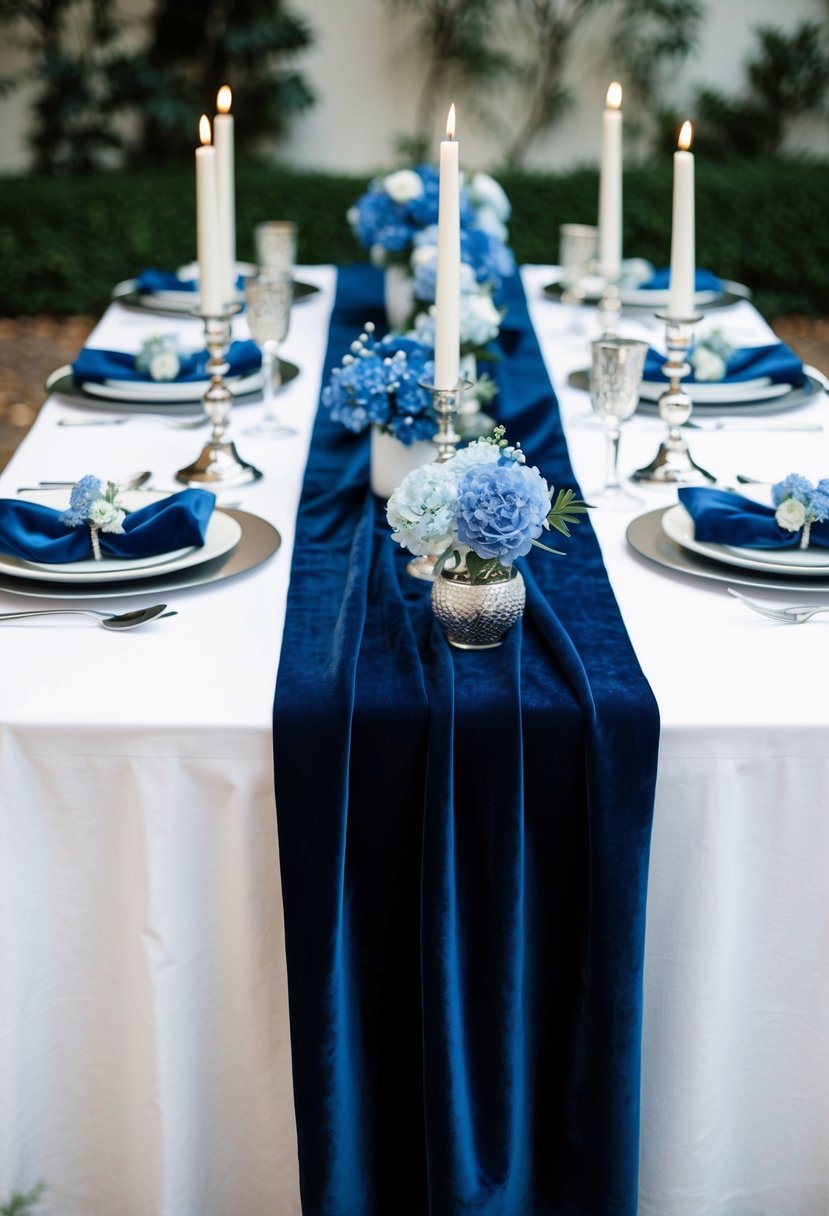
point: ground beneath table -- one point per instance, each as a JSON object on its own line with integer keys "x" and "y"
{"x": 32, "y": 347}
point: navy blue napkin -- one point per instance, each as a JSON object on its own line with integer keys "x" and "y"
{"x": 704, "y": 280}
{"x": 38, "y": 534}
{"x": 723, "y": 518}
{"x": 96, "y": 366}
{"x": 152, "y": 280}
{"x": 776, "y": 361}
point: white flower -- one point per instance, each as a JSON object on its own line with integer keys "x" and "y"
{"x": 488, "y": 221}
{"x": 707, "y": 365}
{"x": 487, "y": 194}
{"x": 473, "y": 456}
{"x": 468, "y": 282}
{"x": 378, "y": 255}
{"x": 164, "y": 364}
{"x": 790, "y": 515}
{"x": 424, "y": 255}
{"x": 421, "y": 511}
{"x": 403, "y": 186}
{"x": 106, "y": 516}
{"x": 353, "y": 216}
{"x": 479, "y": 319}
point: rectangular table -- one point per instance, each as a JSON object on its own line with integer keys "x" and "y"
{"x": 144, "y": 1054}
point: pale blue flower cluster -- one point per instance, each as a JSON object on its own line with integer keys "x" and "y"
{"x": 90, "y": 503}
{"x": 485, "y": 499}
{"x": 380, "y": 383}
{"x": 800, "y": 502}
{"x": 159, "y": 357}
{"x": 479, "y": 321}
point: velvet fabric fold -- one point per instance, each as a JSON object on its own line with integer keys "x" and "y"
{"x": 95, "y": 366}
{"x": 660, "y": 280}
{"x": 464, "y": 843}
{"x": 724, "y": 518}
{"x": 152, "y": 280}
{"x": 776, "y": 362}
{"x": 38, "y": 534}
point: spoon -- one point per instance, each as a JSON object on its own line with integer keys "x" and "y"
{"x": 123, "y": 620}
{"x": 130, "y": 483}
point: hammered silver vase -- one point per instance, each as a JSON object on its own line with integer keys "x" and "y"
{"x": 476, "y": 616}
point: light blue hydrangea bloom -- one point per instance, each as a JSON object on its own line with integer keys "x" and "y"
{"x": 502, "y": 509}
{"x": 84, "y": 493}
{"x": 421, "y": 511}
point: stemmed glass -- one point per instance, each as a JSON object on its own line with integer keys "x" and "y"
{"x": 615, "y": 377}
{"x": 269, "y": 298}
{"x": 275, "y": 242}
{"x": 578, "y": 245}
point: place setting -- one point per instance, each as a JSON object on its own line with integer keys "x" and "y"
{"x": 95, "y": 539}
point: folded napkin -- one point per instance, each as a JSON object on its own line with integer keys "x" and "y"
{"x": 777, "y": 362}
{"x": 152, "y": 280}
{"x": 660, "y": 280}
{"x": 38, "y": 534}
{"x": 96, "y": 366}
{"x": 723, "y": 518}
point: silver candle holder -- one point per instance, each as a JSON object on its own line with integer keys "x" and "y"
{"x": 610, "y": 309}
{"x": 218, "y": 463}
{"x": 445, "y": 403}
{"x": 673, "y": 463}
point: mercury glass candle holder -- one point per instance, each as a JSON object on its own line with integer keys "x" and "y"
{"x": 218, "y": 463}
{"x": 673, "y": 464}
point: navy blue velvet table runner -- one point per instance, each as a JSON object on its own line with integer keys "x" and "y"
{"x": 464, "y": 845}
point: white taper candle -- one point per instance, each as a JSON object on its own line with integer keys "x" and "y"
{"x": 681, "y": 296}
{"x": 448, "y": 290}
{"x": 224, "y": 142}
{"x": 211, "y": 290}
{"x": 610, "y": 186}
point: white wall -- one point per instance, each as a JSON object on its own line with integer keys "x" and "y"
{"x": 364, "y": 67}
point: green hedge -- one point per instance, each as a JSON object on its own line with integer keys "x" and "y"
{"x": 65, "y": 243}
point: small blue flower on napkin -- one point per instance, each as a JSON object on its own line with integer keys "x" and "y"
{"x": 724, "y": 518}
{"x": 39, "y": 534}
{"x": 152, "y": 280}
{"x": 776, "y": 361}
{"x": 660, "y": 280}
{"x": 96, "y": 366}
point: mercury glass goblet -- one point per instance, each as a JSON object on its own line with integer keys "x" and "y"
{"x": 275, "y": 242}
{"x": 578, "y": 245}
{"x": 269, "y": 299}
{"x": 615, "y": 377}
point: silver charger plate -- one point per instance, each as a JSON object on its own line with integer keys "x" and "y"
{"x": 792, "y": 400}
{"x": 259, "y": 541}
{"x": 732, "y": 293}
{"x": 125, "y": 293}
{"x": 646, "y": 536}
{"x": 63, "y": 382}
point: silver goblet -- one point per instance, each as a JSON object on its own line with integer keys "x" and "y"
{"x": 275, "y": 242}
{"x": 269, "y": 299}
{"x": 615, "y": 377}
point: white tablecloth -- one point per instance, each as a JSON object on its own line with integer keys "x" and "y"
{"x": 144, "y": 1054}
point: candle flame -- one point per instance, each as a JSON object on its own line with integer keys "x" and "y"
{"x": 204, "y": 129}
{"x": 224, "y": 99}
{"x": 685, "y": 134}
{"x": 450, "y": 122}
{"x": 614, "y": 96}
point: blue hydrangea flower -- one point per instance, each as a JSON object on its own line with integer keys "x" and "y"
{"x": 84, "y": 493}
{"x": 502, "y": 509}
{"x": 793, "y": 486}
{"x": 379, "y": 383}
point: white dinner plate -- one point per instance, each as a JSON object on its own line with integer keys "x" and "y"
{"x": 712, "y": 392}
{"x": 641, "y": 297}
{"x": 167, "y": 390}
{"x": 679, "y": 526}
{"x": 222, "y": 535}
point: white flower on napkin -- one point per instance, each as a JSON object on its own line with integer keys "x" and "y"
{"x": 159, "y": 357}
{"x": 164, "y": 365}
{"x": 707, "y": 364}
{"x": 790, "y": 515}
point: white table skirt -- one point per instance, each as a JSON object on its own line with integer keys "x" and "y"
{"x": 144, "y": 1055}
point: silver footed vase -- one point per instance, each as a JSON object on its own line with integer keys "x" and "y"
{"x": 476, "y": 616}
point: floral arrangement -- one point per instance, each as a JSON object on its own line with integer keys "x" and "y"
{"x": 396, "y": 208}
{"x": 481, "y": 509}
{"x": 93, "y": 506}
{"x": 159, "y": 357}
{"x": 710, "y": 356}
{"x": 479, "y": 322}
{"x": 485, "y": 262}
{"x": 380, "y": 383}
{"x": 799, "y": 504}
{"x": 99, "y": 509}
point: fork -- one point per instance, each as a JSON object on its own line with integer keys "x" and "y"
{"x": 179, "y": 424}
{"x": 795, "y": 614}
